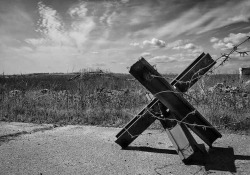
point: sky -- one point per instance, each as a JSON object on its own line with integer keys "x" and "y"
{"x": 48, "y": 36}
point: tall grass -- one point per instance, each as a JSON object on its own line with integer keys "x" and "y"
{"x": 72, "y": 102}
{"x": 107, "y": 99}
{"x": 225, "y": 110}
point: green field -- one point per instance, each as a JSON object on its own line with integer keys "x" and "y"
{"x": 109, "y": 99}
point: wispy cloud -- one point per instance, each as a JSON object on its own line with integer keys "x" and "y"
{"x": 100, "y": 64}
{"x": 53, "y": 31}
{"x": 197, "y": 21}
{"x": 91, "y": 33}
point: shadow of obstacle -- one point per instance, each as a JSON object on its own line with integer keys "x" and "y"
{"x": 218, "y": 158}
{"x": 149, "y": 149}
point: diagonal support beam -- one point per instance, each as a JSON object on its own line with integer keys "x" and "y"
{"x": 182, "y": 82}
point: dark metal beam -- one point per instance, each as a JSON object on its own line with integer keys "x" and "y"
{"x": 166, "y": 93}
{"x": 144, "y": 119}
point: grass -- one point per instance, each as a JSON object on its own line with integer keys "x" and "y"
{"x": 107, "y": 99}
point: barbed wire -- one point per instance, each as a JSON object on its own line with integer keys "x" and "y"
{"x": 179, "y": 122}
{"x": 225, "y": 57}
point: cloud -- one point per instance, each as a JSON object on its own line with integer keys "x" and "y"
{"x": 101, "y": 64}
{"x": 134, "y": 44}
{"x": 154, "y": 43}
{"x": 200, "y": 19}
{"x": 78, "y": 11}
{"x": 36, "y": 41}
{"x": 214, "y": 39}
{"x": 161, "y": 59}
{"x": 62, "y": 42}
{"x": 80, "y": 31}
{"x": 229, "y": 41}
{"x": 53, "y": 31}
{"x": 51, "y": 25}
{"x": 175, "y": 44}
{"x": 222, "y": 46}
{"x": 124, "y": 1}
{"x": 235, "y": 38}
{"x": 136, "y": 16}
{"x": 190, "y": 47}
{"x": 103, "y": 18}
{"x": 94, "y": 52}
{"x": 116, "y": 18}
{"x": 239, "y": 18}
{"x": 146, "y": 54}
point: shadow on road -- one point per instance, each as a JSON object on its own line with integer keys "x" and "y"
{"x": 149, "y": 149}
{"x": 218, "y": 158}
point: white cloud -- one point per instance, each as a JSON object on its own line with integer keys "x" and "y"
{"x": 146, "y": 54}
{"x": 100, "y": 64}
{"x": 222, "y": 46}
{"x": 190, "y": 47}
{"x": 51, "y": 26}
{"x": 175, "y": 44}
{"x": 62, "y": 44}
{"x": 36, "y": 41}
{"x": 214, "y": 39}
{"x": 53, "y": 32}
{"x": 78, "y": 11}
{"x": 239, "y": 18}
{"x": 105, "y": 16}
{"x": 80, "y": 31}
{"x": 219, "y": 45}
{"x": 134, "y": 44}
{"x": 94, "y": 52}
{"x": 235, "y": 38}
{"x": 117, "y": 18}
{"x": 124, "y": 1}
{"x": 154, "y": 43}
{"x": 229, "y": 41}
{"x": 161, "y": 59}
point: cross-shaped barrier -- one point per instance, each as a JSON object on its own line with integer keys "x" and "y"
{"x": 170, "y": 106}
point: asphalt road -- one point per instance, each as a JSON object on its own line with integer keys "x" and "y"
{"x": 92, "y": 150}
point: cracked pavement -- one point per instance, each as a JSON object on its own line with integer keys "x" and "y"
{"x": 92, "y": 150}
